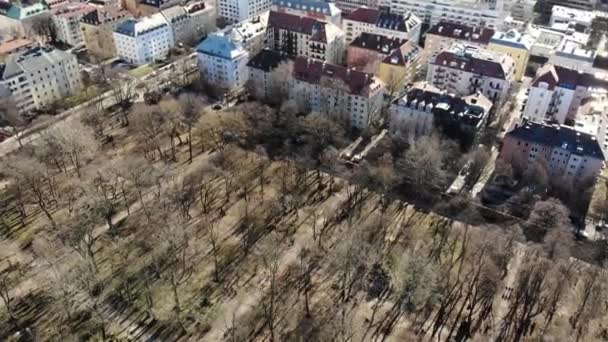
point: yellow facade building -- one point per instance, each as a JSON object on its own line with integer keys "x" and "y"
{"x": 516, "y": 46}
{"x": 400, "y": 67}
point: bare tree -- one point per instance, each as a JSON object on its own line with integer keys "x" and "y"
{"x": 76, "y": 141}
{"x": 9, "y": 115}
{"x": 9, "y": 277}
{"x": 271, "y": 299}
{"x": 79, "y": 234}
{"x": 546, "y": 216}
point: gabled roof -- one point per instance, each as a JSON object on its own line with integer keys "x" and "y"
{"x": 404, "y": 54}
{"x": 481, "y": 35}
{"x": 564, "y": 137}
{"x": 105, "y": 14}
{"x": 470, "y": 59}
{"x": 294, "y": 23}
{"x": 378, "y": 43}
{"x": 323, "y": 8}
{"x": 315, "y": 72}
{"x": 384, "y": 19}
{"x": 557, "y": 76}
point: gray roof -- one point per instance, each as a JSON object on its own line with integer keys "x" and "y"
{"x": 33, "y": 59}
{"x": 564, "y": 137}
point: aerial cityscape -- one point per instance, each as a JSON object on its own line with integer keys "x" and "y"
{"x": 303, "y": 170}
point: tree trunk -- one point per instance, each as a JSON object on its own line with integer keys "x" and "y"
{"x": 190, "y": 144}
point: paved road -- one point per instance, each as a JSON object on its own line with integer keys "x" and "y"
{"x": 32, "y": 133}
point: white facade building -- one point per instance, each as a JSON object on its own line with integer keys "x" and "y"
{"x": 144, "y": 40}
{"x": 336, "y": 90}
{"x": 66, "y": 19}
{"x": 522, "y": 10}
{"x": 384, "y": 23}
{"x": 40, "y": 76}
{"x": 573, "y": 55}
{"x": 223, "y": 62}
{"x": 557, "y": 93}
{"x": 483, "y": 13}
{"x": 306, "y": 37}
{"x": 235, "y": 11}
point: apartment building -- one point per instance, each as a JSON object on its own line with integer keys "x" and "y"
{"x": 145, "y": 8}
{"x": 336, "y": 90}
{"x": 40, "y": 76}
{"x": 464, "y": 70}
{"x": 306, "y": 37}
{"x": 97, "y": 28}
{"x": 143, "y": 40}
{"x": 481, "y": 13}
{"x": 516, "y": 45}
{"x": 66, "y": 19}
{"x": 263, "y": 84}
{"x": 382, "y": 22}
{"x": 557, "y": 93}
{"x": 222, "y": 62}
{"x": 320, "y": 10}
{"x": 569, "y": 155}
{"x": 424, "y": 106}
{"x": 441, "y": 36}
{"x": 190, "y": 22}
{"x": 234, "y": 11}
{"x": 18, "y": 18}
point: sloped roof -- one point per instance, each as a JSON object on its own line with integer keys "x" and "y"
{"x": 105, "y": 14}
{"x": 295, "y": 23}
{"x": 314, "y": 71}
{"x": 219, "y": 45}
{"x": 473, "y": 60}
{"x": 384, "y": 19}
{"x": 481, "y": 35}
{"x": 557, "y": 76}
{"x": 565, "y": 137}
{"x": 133, "y": 28}
{"x": 378, "y": 43}
{"x": 403, "y": 54}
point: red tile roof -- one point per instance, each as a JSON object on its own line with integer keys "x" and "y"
{"x": 314, "y": 71}
{"x": 470, "y": 63}
{"x": 294, "y": 23}
{"x": 557, "y": 76}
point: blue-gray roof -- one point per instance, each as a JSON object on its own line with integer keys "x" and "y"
{"x": 220, "y": 46}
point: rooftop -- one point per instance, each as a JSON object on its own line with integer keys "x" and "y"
{"x": 220, "y": 45}
{"x": 557, "y": 76}
{"x": 469, "y": 110}
{"x": 481, "y": 35}
{"x": 513, "y": 38}
{"x": 21, "y": 11}
{"x": 267, "y": 60}
{"x": 403, "y": 54}
{"x": 474, "y": 60}
{"x": 247, "y": 29}
{"x": 575, "y": 50}
{"x": 133, "y": 27}
{"x": 12, "y": 45}
{"x": 377, "y": 43}
{"x": 385, "y": 19}
{"x": 33, "y": 59}
{"x": 105, "y": 14}
{"x": 314, "y": 71}
{"x": 565, "y": 137}
{"x": 318, "y": 8}
{"x": 71, "y": 10}
{"x": 294, "y": 23}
